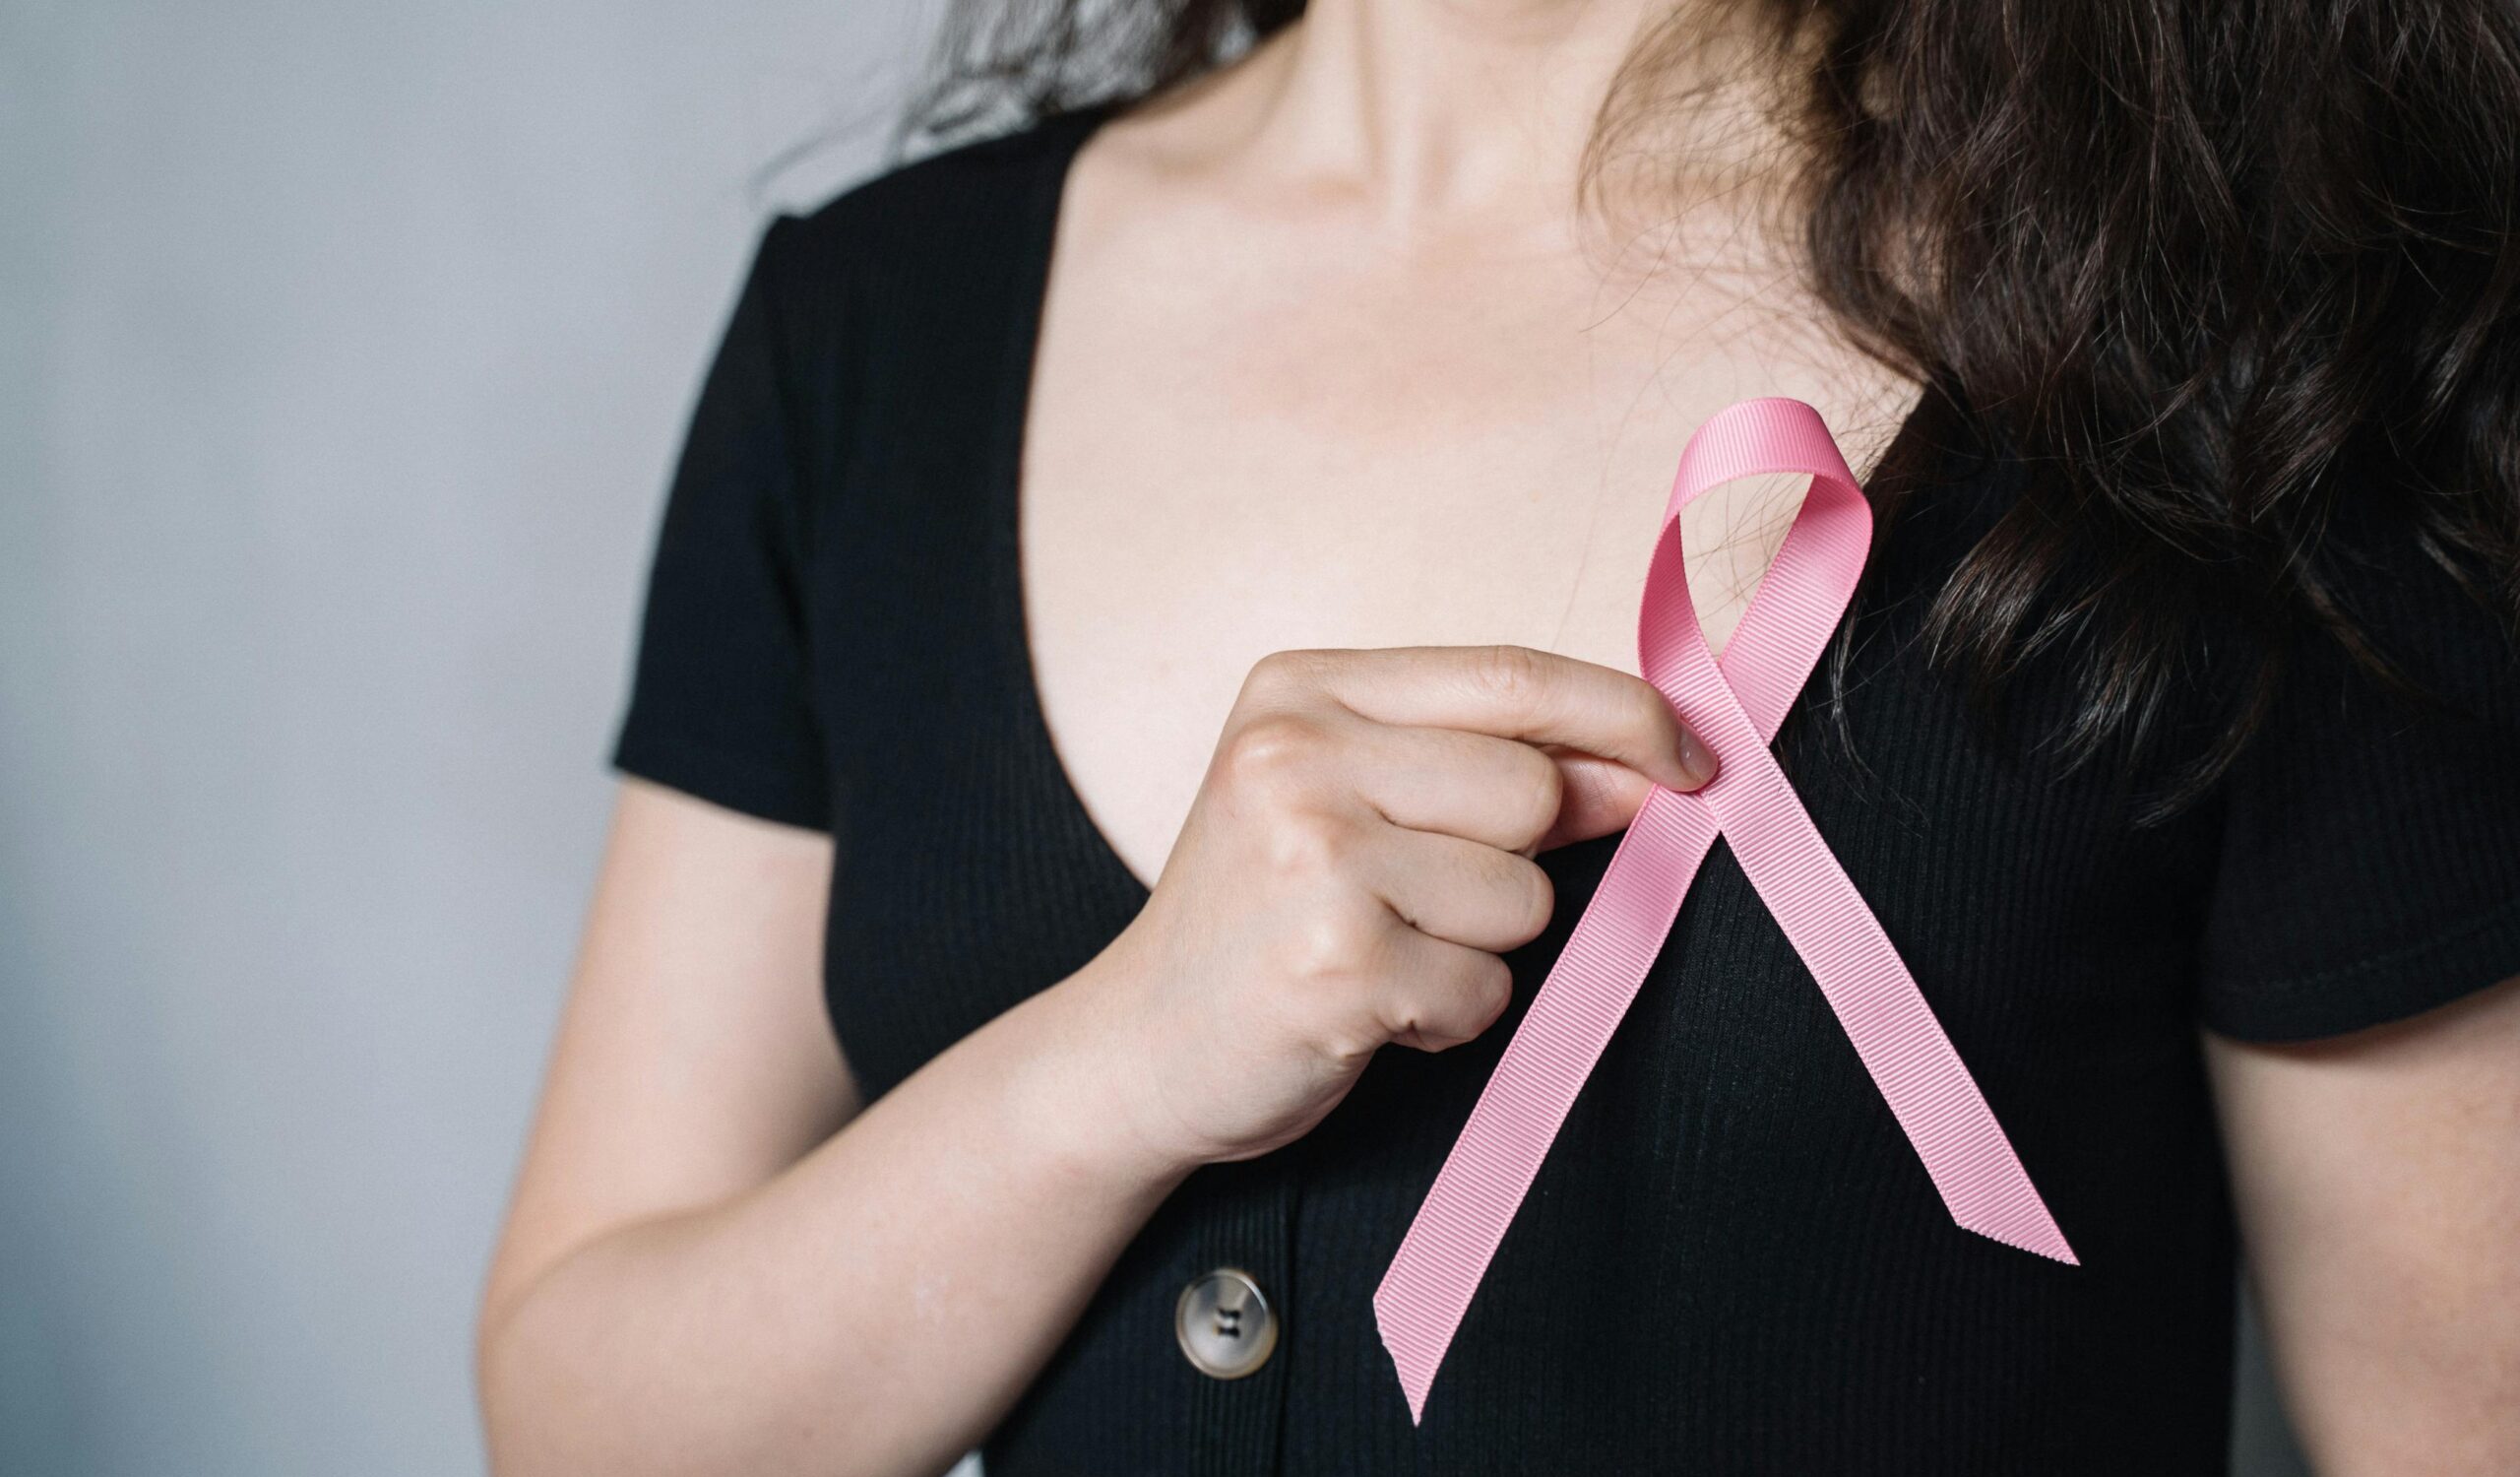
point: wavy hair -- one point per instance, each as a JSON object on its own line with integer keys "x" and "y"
{"x": 2232, "y": 278}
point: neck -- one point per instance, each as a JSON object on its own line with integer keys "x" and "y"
{"x": 1437, "y": 114}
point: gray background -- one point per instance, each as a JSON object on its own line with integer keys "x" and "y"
{"x": 342, "y": 350}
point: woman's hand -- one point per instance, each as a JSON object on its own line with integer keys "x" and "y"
{"x": 1358, "y": 855}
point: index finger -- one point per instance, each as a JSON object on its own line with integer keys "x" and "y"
{"x": 1521, "y": 692}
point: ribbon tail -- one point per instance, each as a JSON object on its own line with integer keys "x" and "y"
{"x": 1913, "y": 1063}
{"x": 1426, "y": 1291}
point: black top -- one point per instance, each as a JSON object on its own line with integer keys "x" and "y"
{"x": 1732, "y": 1261}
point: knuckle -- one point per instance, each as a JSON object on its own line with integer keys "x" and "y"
{"x": 1509, "y": 674}
{"x": 1543, "y": 795}
{"x": 1272, "y": 748}
{"x": 1491, "y": 990}
{"x": 1327, "y": 948}
{"x": 1463, "y": 1005}
{"x": 1403, "y": 1015}
{"x": 1282, "y": 672}
{"x": 1309, "y": 847}
{"x": 1535, "y": 895}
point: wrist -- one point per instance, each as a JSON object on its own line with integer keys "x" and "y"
{"x": 1080, "y": 1095}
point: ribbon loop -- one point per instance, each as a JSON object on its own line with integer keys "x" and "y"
{"x": 1735, "y": 704}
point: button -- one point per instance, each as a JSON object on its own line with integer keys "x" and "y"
{"x": 1224, "y": 1324}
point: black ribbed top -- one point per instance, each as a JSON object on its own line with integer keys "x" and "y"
{"x": 1732, "y": 1261}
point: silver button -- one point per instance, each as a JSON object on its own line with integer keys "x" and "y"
{"x": 1224, "y": 1324}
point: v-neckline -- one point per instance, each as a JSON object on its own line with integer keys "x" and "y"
{"x": 1031, "y": 290}
{"x": 1066, "y": 134}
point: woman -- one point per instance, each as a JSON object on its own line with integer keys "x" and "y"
{"x": 1034, "y": 982}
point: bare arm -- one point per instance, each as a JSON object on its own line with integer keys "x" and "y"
{"x": 694, "y": 1276}
{"x": 714, "y": 1262}
{"x": 2378, "y": 1179}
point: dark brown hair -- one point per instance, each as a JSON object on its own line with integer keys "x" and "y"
{"x": 2230, "y": 276}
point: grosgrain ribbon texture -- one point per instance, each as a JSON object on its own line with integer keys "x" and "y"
{"x": 1736, "y": 705}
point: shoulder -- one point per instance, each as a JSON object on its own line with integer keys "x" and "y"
{"x": 2367, "y": 868}
{"x": 950, "y": 215}
{"x": 2433, "y": 616}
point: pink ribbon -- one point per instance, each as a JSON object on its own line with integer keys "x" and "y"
{"x": 1735, "y": 705}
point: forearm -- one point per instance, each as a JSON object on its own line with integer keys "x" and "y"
{"x": 874, "y": 1309}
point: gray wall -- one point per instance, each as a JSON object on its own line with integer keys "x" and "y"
{"x": 342, "y": 352}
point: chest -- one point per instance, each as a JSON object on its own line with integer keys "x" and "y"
{"x": 1313, "y": 447}
{"x": 1080, "y": 494}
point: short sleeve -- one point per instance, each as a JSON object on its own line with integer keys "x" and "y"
{"x": 720, "y": 703}
{"x": 2369, "y": 865}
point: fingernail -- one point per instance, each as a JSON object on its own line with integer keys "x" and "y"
{"x": 1697, "y": 761}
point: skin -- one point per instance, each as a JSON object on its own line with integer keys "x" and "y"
{"x": 1331, "y": 693}
{"x": 2377, "y": 1181}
